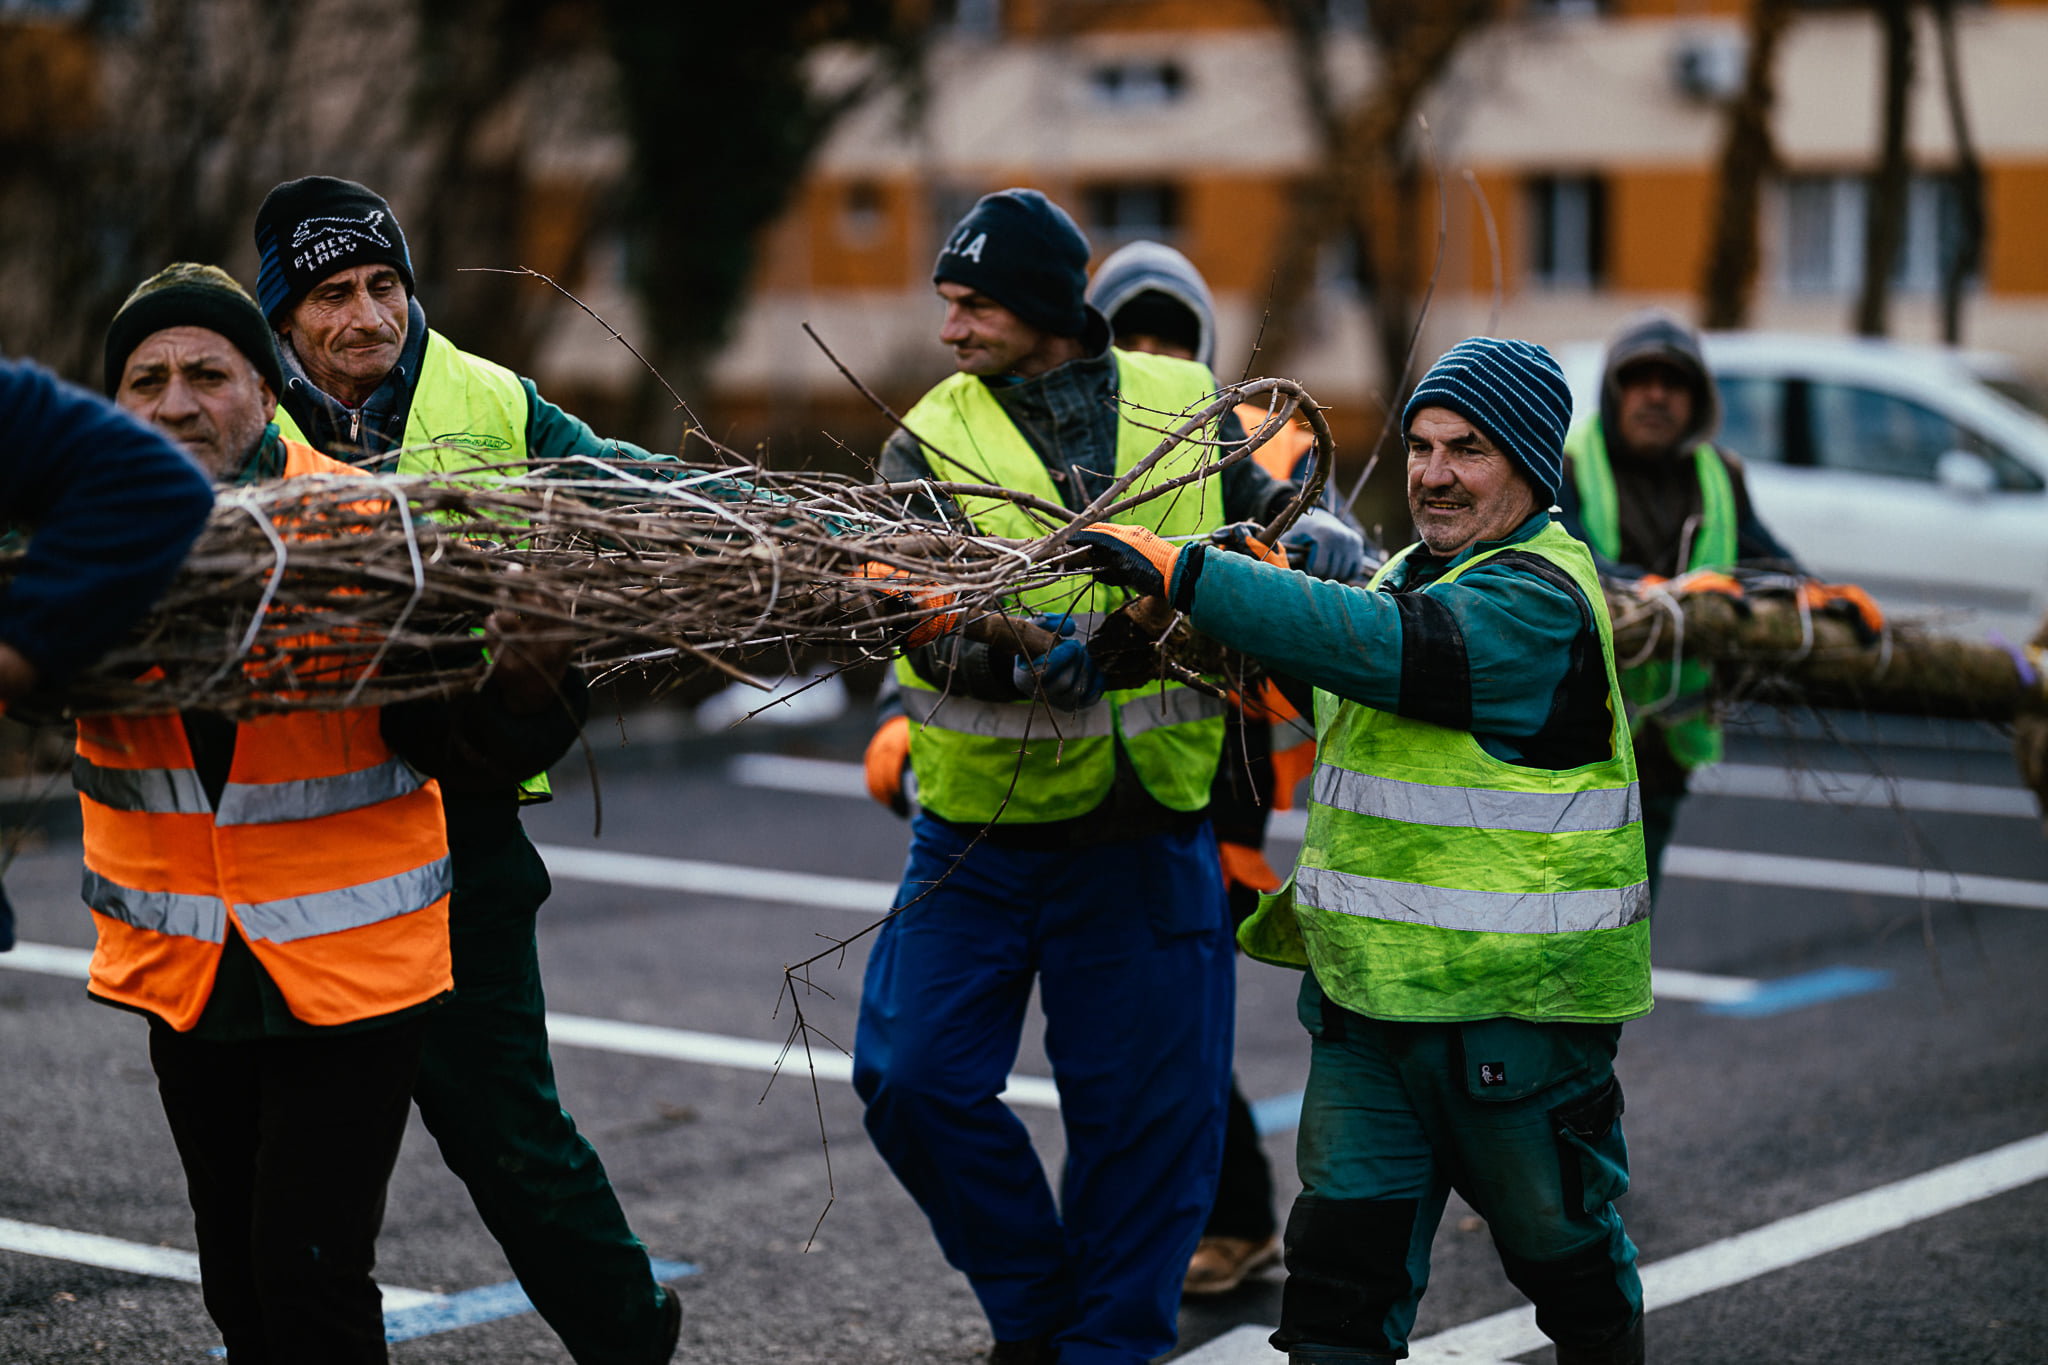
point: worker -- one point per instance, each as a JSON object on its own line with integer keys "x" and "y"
{"x": 1470, "y": 906}
{"x": 1159, "y": 304}
{"x": 1061, "y": 838}
{"x": 1646, "y": 487}
{"x": 273, "y": 894}
{"x": 110, "y": 508}
{"x": 366, "y": 380}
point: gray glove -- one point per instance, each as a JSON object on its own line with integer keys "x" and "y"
{"x": 1322, "y": 545}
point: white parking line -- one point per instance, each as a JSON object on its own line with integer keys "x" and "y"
{"x": 163, "y": 1263}
{"x": 1832, "y": 874}
{"x": 718, "y": 879}
{"x": 615, "y": 1035}
{"x": 1718, "y": 1265}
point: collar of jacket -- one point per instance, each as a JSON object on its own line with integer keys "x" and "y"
{"x": 378, "y": 426}
{"x": 1423, "y": 567}
{"x": 265, "y": 461}
{"x": 1069, "y": 414}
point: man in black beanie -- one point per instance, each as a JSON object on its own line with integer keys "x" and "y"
{"x": 365, "y": 380}
{"x": 1062, "y": 837}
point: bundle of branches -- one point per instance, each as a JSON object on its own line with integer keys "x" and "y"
{"x": 333, "y": 591}
{"x": 1771, "y": 646}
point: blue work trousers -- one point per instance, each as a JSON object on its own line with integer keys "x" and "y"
{"x": 1523, "y": 1120}
{"x": 1130, "y": 945}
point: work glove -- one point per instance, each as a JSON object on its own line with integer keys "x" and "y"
{"x": 887, "y": 757}
{"x": 1847, "y": 601}
{"x": 1322, "y": 546}
{"x": 908, "y": 598}
{"x": 1065, "y": 677}
{"x": 1239, "y": 538}
{"x": 1129, "y": 557}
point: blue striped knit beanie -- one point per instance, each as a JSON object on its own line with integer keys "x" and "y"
{"x": 1511, "y": 390}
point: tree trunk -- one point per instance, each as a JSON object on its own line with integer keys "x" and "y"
{"x": 1884, "y": 224}
{"x": 1748, "y": 153}
{"x": 1961, "y": 258}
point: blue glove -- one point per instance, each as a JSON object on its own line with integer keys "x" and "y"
{"x": 1321, "y": 545}
{"x": 1065, "y": 677}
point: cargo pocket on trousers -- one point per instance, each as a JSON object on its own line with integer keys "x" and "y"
{"x": 1592, "y": 1153}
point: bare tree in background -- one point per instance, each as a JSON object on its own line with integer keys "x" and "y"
{"x": 1748, "y": 154}
{"x": 1884, "y": 224}
{"x": 1368, "y": 172}
{"x": 200, "y": 106}
{"x": 1962, "y": 257}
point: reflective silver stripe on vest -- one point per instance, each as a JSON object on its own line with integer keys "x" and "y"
{"x": 1492, "y": 912}
{"x": 351, "y": 907}
{"x": 1004, "y": 719}
{"x": 1157, "y": 706}
{"x": 151, "y": 791}
{"x": 1415, "y": 803}
{"x": 273, "y": 803}
{"x": 162, "y": 912}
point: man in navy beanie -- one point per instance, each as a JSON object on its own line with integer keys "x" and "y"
{"x": 1061, "y": 838}
{"x": 1470, "y": 909}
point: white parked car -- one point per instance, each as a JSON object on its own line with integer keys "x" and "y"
{"x": 1918, "y": 472}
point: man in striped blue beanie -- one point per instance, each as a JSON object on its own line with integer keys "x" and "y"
{"x": 1470, "y": 906}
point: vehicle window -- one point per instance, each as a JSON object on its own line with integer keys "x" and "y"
{"x": 1752, "y": 417}
{"x": 1880, "y": 433}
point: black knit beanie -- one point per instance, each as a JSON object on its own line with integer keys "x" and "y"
{"x": 1023, "y": 251}
{"x": 309, "y": 229}
{"x": 192, "y": 295}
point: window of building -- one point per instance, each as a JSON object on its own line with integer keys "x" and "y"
{"x": 863, "y": 214}
{"x": 1567, "y": 231}
{"x": 1124, "y": 212}
{"x": 1822, "y": 223}
{"x": 968, "y": 16}
{"x": 1137, "y": 84}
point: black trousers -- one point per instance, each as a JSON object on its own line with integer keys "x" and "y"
{"x": 288, "y": 1144}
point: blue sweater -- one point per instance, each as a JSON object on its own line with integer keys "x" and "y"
{"x": 112, "y": 508}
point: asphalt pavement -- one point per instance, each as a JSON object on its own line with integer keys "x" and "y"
{"x": 1836, "y": 1040}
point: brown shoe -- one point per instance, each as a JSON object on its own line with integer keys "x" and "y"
{"x": 1220, "y": 1264}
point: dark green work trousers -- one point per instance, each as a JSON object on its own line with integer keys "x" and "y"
{"x": 487, "y": 1093}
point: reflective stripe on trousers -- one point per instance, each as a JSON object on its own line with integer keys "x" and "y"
{"x": 1416, "y": 803}
{"x": 1490, "y": 912}
{"x": 280, "y": 921}
{"x": 1005, "y": 719}
{"x": 177, "y": 791}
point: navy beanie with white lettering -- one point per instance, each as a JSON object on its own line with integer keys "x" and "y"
{"x": 1023, "y": 251}
{"x": 309, "y": 229}
{"x": 1511, "y": 390}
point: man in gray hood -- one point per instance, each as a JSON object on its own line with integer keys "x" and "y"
{"x": 1655, "y": 498}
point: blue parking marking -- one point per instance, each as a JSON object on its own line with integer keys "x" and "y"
{"x": 487, "y": 1304}
{"x": 1279, "y": 1114}
{"x": 1808, "y": 988}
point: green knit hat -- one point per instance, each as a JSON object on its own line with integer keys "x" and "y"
{"x": 191, "y": 295}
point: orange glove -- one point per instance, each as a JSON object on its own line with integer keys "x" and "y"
{"x": 1848, "y": 601}
{"x": 1246, "y": 866}
{"x": 1647, "y": 584}
{"x": 1708, "y": 580}
{"x": 1239, "y": 539}
{"x": 915, "y": 596}
{"x": 1130, "y": 557}
{"x": 888, "y": 754}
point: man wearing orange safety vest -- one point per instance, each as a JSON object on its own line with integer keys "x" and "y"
{"x": 272, "y": 894}
{"x": 1159, "y": 304}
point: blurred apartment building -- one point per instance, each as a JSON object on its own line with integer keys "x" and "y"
{"x": 1593, "y": 130}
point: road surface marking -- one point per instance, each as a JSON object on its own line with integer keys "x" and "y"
{"x": 1822, "y": 787}
{"x": 718, "y": 879}
{"x": 1756, "y": 781}
{"x": 1718, "y": 1265}
{"x": 1831, "y": 874}
{"x": 616, "y": 1035}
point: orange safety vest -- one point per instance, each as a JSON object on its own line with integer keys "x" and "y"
{"x": 1284, "y": 450}
{"x": 327, "y": 853}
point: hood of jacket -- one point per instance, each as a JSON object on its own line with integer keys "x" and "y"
{"x": 1655, "y": 334}
{"x": 1132, "y": 269}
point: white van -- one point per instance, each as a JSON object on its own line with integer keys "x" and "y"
{"x": 1918, "y": 472}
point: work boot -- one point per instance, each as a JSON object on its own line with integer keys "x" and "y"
{"x": 671, "y": 1324}
{"x": 1036, "y": 1351}
{"x": 1626, "y": 1349}
{"x": 1220, "y": 1264}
